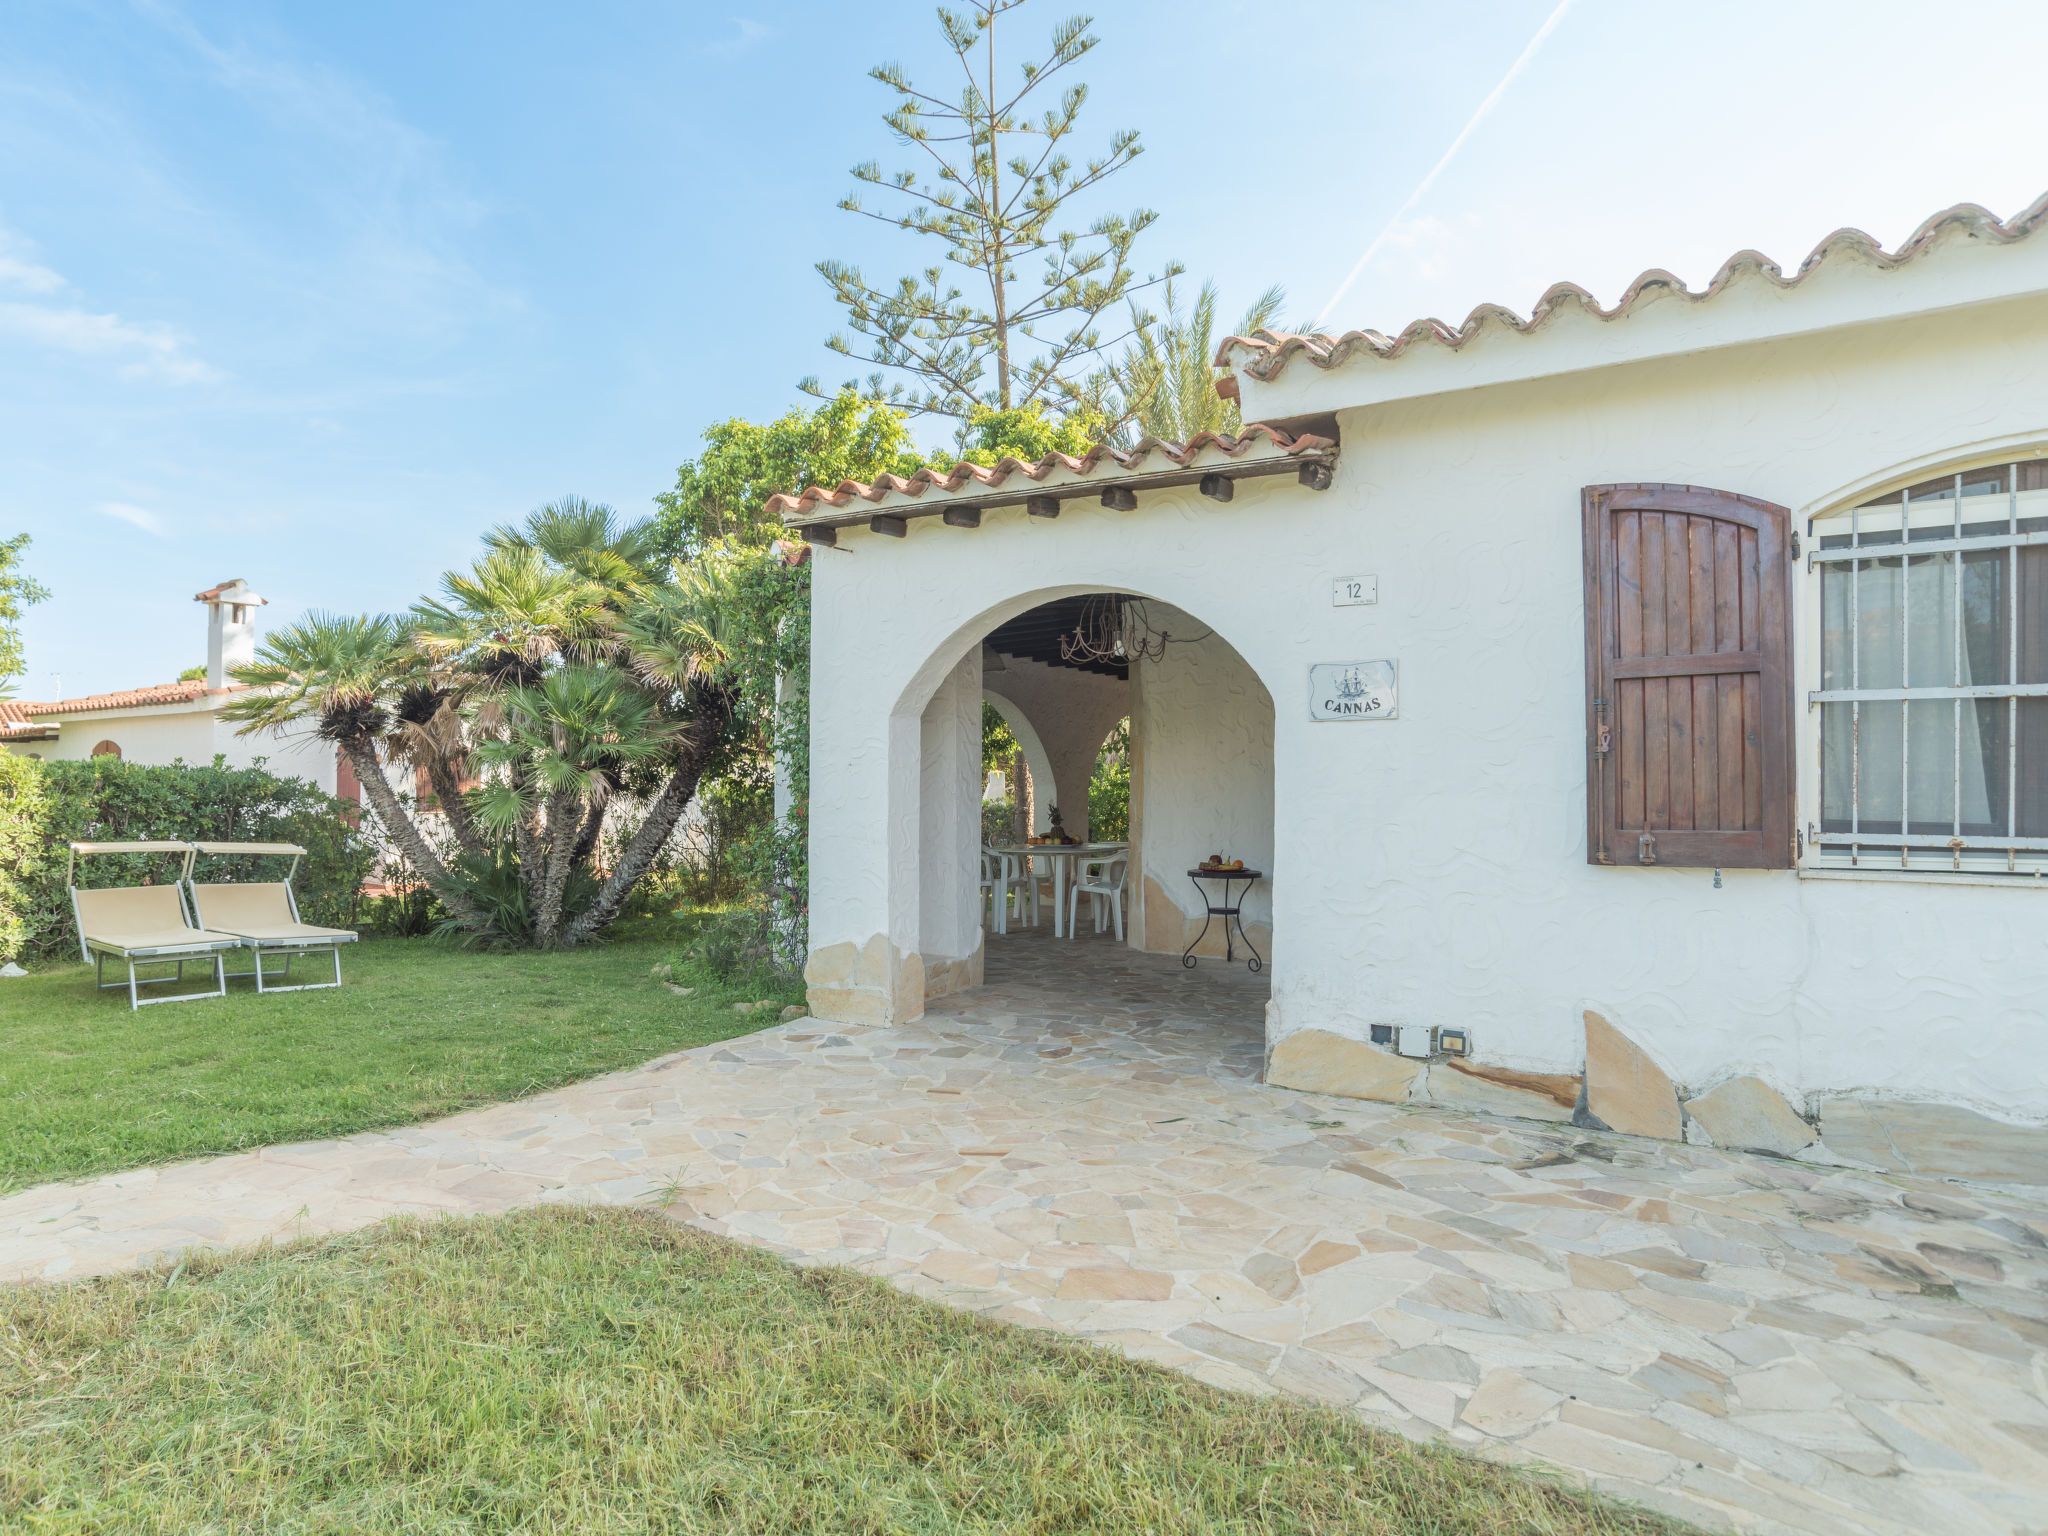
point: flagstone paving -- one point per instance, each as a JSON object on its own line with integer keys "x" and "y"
{"x": 1083, "y": 1144}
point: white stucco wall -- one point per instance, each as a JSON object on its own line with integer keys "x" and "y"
{"x": 1431, "y": 869}
{"x": 1071, "y": 713}
{"x": 949, "y": 806}
{"x": 1206, "y": 723}
{"x": 189, "y": 732}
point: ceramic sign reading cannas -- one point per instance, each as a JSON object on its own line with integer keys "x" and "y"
{"x": 1353, "y": 690}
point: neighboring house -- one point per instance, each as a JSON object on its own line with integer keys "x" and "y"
{"x": 169, "y": 722}
{"x": 1561, "y": 674}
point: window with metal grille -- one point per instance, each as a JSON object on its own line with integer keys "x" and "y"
{"x": 1934, "y": 676}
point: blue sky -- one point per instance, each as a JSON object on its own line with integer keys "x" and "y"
{"x": 314, "y": 294}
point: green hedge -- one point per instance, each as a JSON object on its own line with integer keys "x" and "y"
{"x": 45, "y": 805}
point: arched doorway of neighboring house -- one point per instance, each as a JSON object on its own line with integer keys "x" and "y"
{"x": 108, "y": 748}
{"x": 1200, "y": 755}
{"x": 1031, "y": 797}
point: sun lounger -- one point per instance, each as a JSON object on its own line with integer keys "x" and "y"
{"x": 143, "y": 925}
{"x": 265, "y": 915}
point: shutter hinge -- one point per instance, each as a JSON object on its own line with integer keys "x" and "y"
{"x": 1795, "y": 544}
{"x": 1646, "y": 849}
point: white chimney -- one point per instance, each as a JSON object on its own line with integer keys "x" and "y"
{"x": 230, "y": 628}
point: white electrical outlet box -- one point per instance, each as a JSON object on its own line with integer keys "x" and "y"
{"x": 1416, "y": 1040}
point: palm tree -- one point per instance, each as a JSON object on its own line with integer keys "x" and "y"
{"x": 569, "y": 742}
{"x": 1167, "y": 377}
{"x": 675, "y": 642}
{"x": 566, "y": 671}
{"x": 337, "y": 672}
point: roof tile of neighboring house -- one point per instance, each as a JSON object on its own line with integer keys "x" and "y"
{"x": 964, "y": 476}
{"x": 1272, "y": 350}
{"x": 19, "y": 715}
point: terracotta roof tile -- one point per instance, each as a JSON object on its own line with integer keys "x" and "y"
{"x": 1271, "y": 350}
{"x": 213, "y": 592}
{"x": 15, "y": 713}
{"x": 968, "y": 476}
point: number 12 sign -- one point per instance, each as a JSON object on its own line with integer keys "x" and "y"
{"x": 1354, "y": 591}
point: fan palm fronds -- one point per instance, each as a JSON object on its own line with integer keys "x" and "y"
{"x": 590, "y": 539}
{"x": 329, "y": 668}
{"x": 504, "y": 620}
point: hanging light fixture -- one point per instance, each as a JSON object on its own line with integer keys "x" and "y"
{"x": 1116, "y": 630}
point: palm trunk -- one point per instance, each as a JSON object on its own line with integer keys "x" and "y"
{"x": 586, "y": 840}
{"x": 362, "y": 756}
{"x": 639, "y": 854}
{"x": 525, "y": 835}
{"x": 441, "y": 775}
{"x": 561, "y": 853}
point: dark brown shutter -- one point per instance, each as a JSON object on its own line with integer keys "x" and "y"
{"x": 1688, "y": 678}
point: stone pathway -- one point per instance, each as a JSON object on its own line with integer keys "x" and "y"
{"x": 1084, "y": 1145}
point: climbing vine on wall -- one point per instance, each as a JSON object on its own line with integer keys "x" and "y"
{"x": 765, "y": 635}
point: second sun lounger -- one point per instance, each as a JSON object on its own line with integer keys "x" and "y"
{"x": 265, "y": 915}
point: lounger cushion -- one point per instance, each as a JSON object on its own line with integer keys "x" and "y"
{"x": 135, "y": 917}
{"x": 261, "y": 913}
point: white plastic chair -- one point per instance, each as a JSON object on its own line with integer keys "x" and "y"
{"x": 998, "y": 874}
{"x": 1031, "y": 876}
{"x": 1102, "y": 881}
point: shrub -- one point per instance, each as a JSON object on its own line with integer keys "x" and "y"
{"x": 735, "y": 944}
{"x": 410, "y": 911}
{"x": 998, "y": 822}
{"x": 44, "y": 805}
{"x": 1109, "y": 791}
{"x": 732, "y": 810}
{"x": 23, "y": 848}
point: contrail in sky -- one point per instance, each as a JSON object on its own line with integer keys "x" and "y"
{"x": 1478, "y": 117}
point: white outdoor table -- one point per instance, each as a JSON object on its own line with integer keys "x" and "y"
{"x": 1062, "y": 856}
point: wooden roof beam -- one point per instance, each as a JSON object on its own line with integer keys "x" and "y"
{"x": 1314, "y": 471}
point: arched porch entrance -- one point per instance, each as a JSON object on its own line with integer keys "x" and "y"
{"x": 1202, "y": 777}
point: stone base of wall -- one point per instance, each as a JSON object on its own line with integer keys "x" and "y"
{"x": 1939, "y": 1139}
{"x": 943, "y": 976}
{"x": 877, "y": 983}
{"x": 1624, "y": 1090}
{"x": 1317, "y": 1061}
{"x": 871, "y": 983}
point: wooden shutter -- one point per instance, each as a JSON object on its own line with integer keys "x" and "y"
{"x": 1688, "y": 678}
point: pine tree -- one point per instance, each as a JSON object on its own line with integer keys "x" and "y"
{"x": 990, "y": 190}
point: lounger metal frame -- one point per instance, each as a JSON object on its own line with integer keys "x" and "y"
{"x": 289, "y": 948}
{"x": 163, "y": 954}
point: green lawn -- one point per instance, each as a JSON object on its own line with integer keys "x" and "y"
{"x": 418, "y": 1029}
{"x": 605, "y": 1371}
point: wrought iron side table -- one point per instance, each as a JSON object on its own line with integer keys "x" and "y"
{"x": 1228, "y": 911}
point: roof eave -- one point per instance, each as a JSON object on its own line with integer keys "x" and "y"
{"x": 1848, "y": 280}
{"x": 1212, "y": 466}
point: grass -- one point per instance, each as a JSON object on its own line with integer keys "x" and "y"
{"x": 605, "y": 1371}
{"x": 418, "y": 1029}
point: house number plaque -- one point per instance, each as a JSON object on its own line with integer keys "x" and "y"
{"x": 1354, "y": 591}
{"x": 1353, "y": 690}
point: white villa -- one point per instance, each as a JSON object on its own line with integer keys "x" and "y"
{"x": 162, "y": 723}
{"x": 1637, "y": 715}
